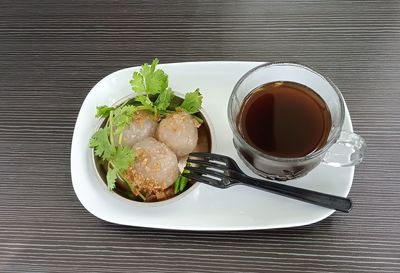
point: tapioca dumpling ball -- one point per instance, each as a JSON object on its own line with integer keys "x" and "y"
{"x": 179, "y": 132}
{"x": 155, "y": 167}
{"x": 144, "y": 124}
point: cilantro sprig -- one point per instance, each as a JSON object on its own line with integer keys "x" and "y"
{"x": 119, "y": 157}
{"x": 151, "y": 81}
{"x": 192, "y": 102}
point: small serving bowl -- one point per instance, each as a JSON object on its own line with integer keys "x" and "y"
{"x": 204, "y": 144}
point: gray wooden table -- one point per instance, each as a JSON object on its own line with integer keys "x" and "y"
{"x": 53, "y": 52}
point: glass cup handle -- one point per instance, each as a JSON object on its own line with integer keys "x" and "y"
{"x": 348, "y": 150}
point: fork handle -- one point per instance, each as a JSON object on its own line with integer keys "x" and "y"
{"x": 313, "y": 197}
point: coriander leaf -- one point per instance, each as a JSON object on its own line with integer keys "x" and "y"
{"x": 122, "y": 116}
{"x": 123, "y": 158}
{"x": 137, "y": 83}
{"x": 103, "y": 111}
{"x": 154, "y": 63}
{"x": 145, "y": 101}
{"x": 149, "y": 80}
{"x": 192, "y": 102}
{"x": 164, "y": 99}
{"x": 156, "y": 82}
{"x": 111, "y": 177}
{"x": 101, "y": 143}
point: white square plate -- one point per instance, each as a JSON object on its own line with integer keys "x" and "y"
{"x": 202, "y": 207}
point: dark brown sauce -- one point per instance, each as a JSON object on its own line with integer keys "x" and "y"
{"x": 284, "y": 119}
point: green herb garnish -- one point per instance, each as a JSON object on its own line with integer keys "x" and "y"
{"x": 149, "y": 80}
{"x": 152, "y": 94}
{"x": 100, "y": 141}
{"x": 119, "y": 158}
{"x": 192, "y": 102}
{"x": 103, "y": 111}
{"x": 164, "y": 99}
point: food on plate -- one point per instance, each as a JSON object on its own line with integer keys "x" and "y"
{"x": 155, "y": 169}
{"x": 141, "y": 141}
{"x": 144, "y": 124}
{"x": 179, "y": 132}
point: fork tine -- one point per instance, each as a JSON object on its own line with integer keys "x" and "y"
{"x": 203, "y": 179}
{"x": 230, "y": 163}
{"x": 224, "y": 179}
{"x": 221, "y": 158}
{"x": 206, "y": 163}
{"x": 220, "y": 175}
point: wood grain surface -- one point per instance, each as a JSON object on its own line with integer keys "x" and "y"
{"x": 53, "y": 52}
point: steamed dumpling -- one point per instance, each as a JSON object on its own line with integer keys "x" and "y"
{"x": 178, "y": 131}
{"x": 155, "y": 167}
{"x": 143, "y": 125}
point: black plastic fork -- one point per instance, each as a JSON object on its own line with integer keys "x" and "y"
{"x": 223, "y": 172}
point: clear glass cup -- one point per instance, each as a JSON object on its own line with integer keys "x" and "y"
{"x": 342, "y": 148}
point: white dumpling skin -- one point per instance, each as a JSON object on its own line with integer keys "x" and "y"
{"x": 178, "y": 131}
{"x": 155, "y": 167}
{"x": 143, "y": 125}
